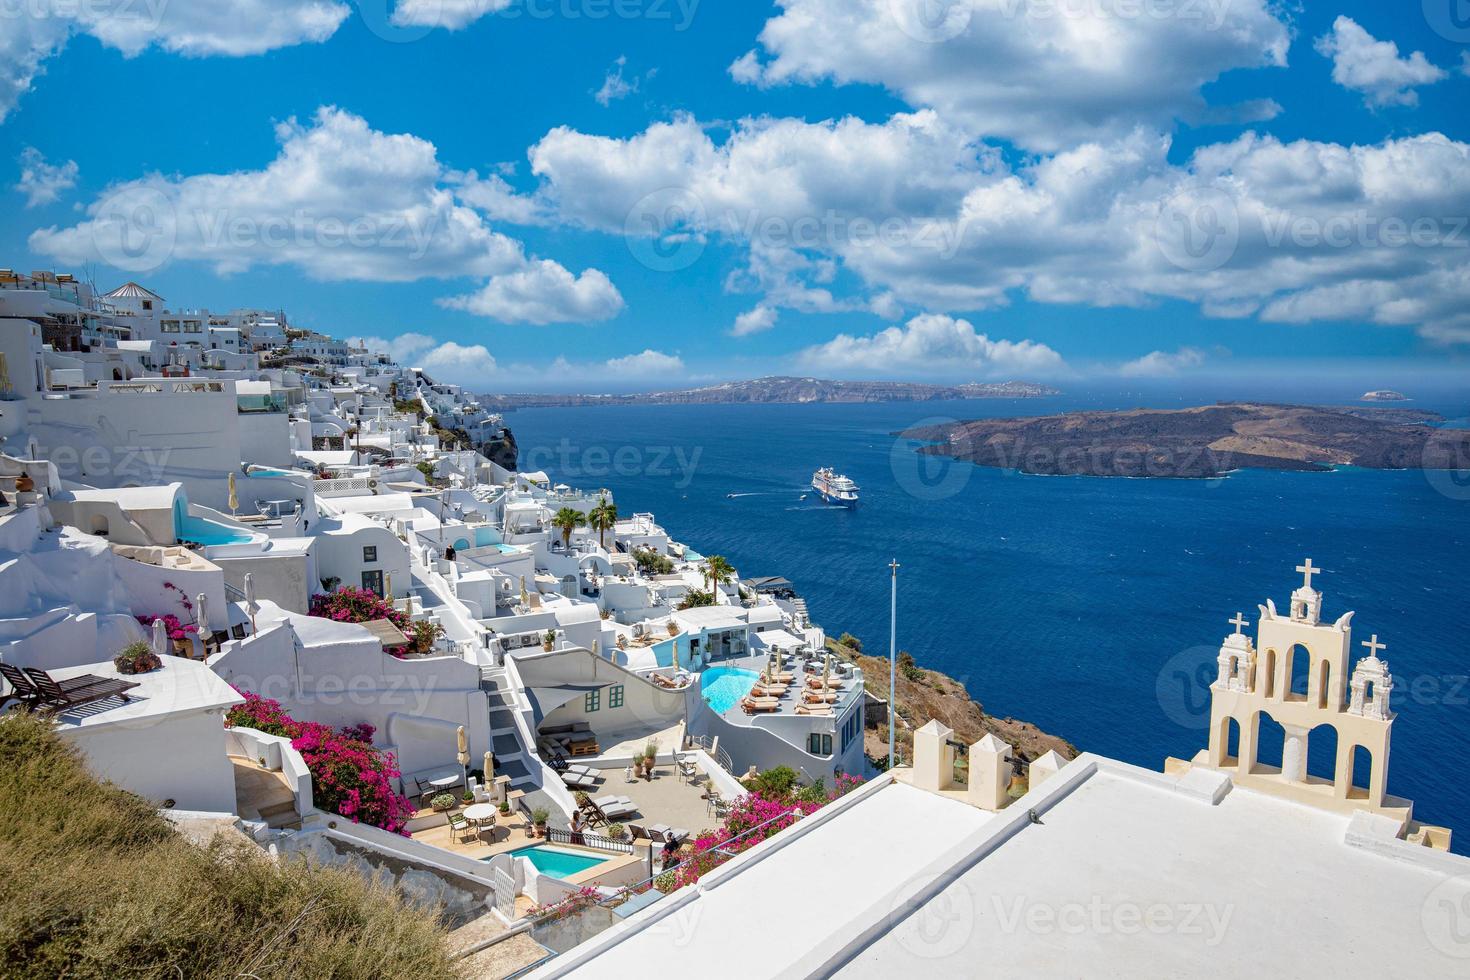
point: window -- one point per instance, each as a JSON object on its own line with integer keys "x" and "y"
{"x": 373, "y": 581}
{"x": 818, "y": 743}
{"x": 148, "y": 304}
{"x": 590, "y": 702}
{"x": 370, "y": 553}
{"x": 615, "y": 696}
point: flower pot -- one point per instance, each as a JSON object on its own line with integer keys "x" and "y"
{"x": 541, "y": 830}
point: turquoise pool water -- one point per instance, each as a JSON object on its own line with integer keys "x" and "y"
{"x": 272, "y": 471}
{"x": 555, "y": 862}
{"x": 723, "y": 687}
{"x": 190, "y": 528}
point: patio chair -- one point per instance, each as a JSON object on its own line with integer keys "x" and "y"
{"x": 238, "y": 631}
{"x": 23, "y": 690}
{"x": 217, "y": 639}
{"x": 459, "y": 825}
{"x": 636, "y": 832}
{"x": 55, "y": 697}
{"x": 688, "y": 769}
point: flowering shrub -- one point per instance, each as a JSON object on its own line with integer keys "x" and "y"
{"x": 348, "y": 775}
{"x": 572, "y": 903}
{"x": 171, "y": 625}
{"x": 350, "y": 604}
{"x": 136, "y": 658}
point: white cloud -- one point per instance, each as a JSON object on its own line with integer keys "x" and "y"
{"x": 1041, "y": 73}
{"x": 760, "y": 319}
{"x": 543, "y": 292}
{"x": 42, "y": 182}
{"x": 1364, "y": 64}
{"x": 1160, "y": 364}
{"x": 649, "y": 363}
{"x": 846, "y": 215}
{"x": 498, "y": 200}
{"x": 931, "y": 344}
{"x": 614, "y": 85}
{"x": 340, "y": 201}
{"x": 39, "y": 29}
{"x": 449, "y": 14}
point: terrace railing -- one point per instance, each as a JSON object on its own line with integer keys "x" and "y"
{"x": 557, "y": 835}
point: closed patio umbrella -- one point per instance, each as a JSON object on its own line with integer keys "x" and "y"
{"x": 160, "y": 638}
{"x": 489, "y": 766}
{"x": 826, "y": 671}
{"x": 201, "y": 614}
{"x": 462, "y": 745}
{"x": 234, "y": 500}
{"x": 251, "y": 606}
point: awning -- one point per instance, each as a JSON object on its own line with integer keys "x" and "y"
{"x": 545, "y": 700}
{"x": 386, "y": 633}
{"x": 777, "y": 639}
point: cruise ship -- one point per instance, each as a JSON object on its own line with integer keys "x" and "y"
{"x": 835, "y": 488}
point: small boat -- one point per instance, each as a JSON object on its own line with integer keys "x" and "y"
{"x": 835, "y": 488}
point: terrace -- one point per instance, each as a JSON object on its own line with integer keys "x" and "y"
{"x": 800, "y": 697}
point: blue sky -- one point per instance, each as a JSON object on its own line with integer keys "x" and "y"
{"x": 1027, "y": 165}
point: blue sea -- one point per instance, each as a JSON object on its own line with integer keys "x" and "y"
{"x": 1092, "y": 607}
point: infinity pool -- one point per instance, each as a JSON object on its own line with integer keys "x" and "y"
{"x": 555, "y": 862}
{"x": 723, "y": 687}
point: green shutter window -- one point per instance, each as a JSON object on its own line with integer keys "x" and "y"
{"x": 590, "y": 702}
{"x": 615, "y": 696}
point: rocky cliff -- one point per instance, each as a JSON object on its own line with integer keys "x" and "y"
{"x": 780, "y": 390}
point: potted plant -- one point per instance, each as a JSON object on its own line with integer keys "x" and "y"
{"x": 467, "y": 798}
{"x": 650, "y": 759}
{"x": 549, "y": 640}
{"x": 442, "y": 802}
{"x": 539, "y": 816}
{"x": 617, "y": 831}
{"x": 504, "y": 808}
{"x": 136, "y": 658}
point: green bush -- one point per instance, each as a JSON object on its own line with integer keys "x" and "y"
{"x": 95, "y": 884}
{"x": 775, "y": 783}
{"x": 850, "y": 641}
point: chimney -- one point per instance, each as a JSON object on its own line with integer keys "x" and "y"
{"x": 990, "y": 773}
{"x": 933, "y": 757}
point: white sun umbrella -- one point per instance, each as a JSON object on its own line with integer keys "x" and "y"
{"x": 160, "y": 637}
{"x": 462, "y": 745}
{"x": 201, "y": 614}
{"x": 234, "y": 500}
{"x": 251, "y": 606}
{"x": 826, "y": 671}
{"x": 489, "y": 766}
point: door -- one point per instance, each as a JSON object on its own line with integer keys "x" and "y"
{"x": 373, "y": 581}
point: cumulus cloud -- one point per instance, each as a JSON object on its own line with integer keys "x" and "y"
{"x": 758, "y": 320}
{"x": 911, "y": 212}
{"x": 543, "y": 292}
{"x": 931, "y": 344}
{"x": 341, "y": 201}
{"x": 447, "y": 359}
{"x": 1042, "y": 74}
{"x": 1161, "y": 364}
{"x": 42, "y": 182}
{"x": 473, "y": 364}
{"x": 449, "y": 14}
{"x": 37, "y": 30}
{"x": 648, "y": 363}
{"x": 1364, "y": 64}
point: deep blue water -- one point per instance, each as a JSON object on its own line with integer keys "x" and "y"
{"x": 1091, "y": 607}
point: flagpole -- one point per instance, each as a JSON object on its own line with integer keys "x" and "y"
{"x": 892, "y": 661}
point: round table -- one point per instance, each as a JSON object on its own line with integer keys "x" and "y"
{"x": 481, "y": 812}
{"x": 444, "y": 782}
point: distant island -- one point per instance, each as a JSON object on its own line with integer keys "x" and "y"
{"x": 1202, "y": 442}
{"x": 780, "y": 390}
{"x": 1384, "y": 395}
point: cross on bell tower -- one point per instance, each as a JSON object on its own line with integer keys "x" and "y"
{"x": 1239, "y": 623}
{"x": 1306, "y": 602}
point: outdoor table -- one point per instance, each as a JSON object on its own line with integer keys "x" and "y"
{"x": 444, "y": 782}
{"x": 479, "y": 812}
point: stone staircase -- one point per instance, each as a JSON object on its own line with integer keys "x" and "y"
{"x": 512, "y": 758}
{"x": 798, "y": 605}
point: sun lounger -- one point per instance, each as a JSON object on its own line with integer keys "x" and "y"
{"x": 756, "y": 707}
{"x": 55, "y": 697}
{"x": 22, "y": 688}
{"x": 812, "y": 709}
{"x": 578, "y": 780}
{"x": 619, "y": 810}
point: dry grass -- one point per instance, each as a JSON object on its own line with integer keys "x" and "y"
{"x": 94, "y": 883}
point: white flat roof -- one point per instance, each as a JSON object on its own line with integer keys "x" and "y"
{"x": 178, "y": 687}
{"x": 1127, "y": 874}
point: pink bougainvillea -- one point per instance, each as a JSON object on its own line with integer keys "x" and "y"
{"x": 171, "y": 625}
{"x": 350, "y": 604}
{"x": 348, "y": 775}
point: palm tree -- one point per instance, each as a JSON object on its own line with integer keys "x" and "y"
{"x": 717, "y": 570}
{"x": 602, "y": 518}
{"x": 567, "y": 519}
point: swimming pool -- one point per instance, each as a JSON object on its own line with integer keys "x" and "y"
{"x": 723, "y": 687}
{"x": 187, "y": 527}
{"x": 554, "y": 861}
